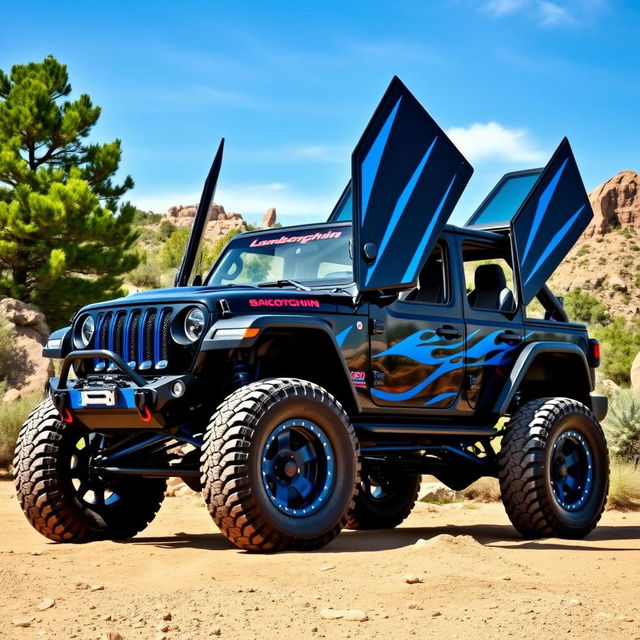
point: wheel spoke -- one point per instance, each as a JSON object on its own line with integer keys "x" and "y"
{"x": 571, "y": 483}
{"x": 302, "y": 486}
{"x": 284, "y": 441}
{"x": 269, "y": 466}
{"x": 282, "y": 494}
{"x": 304, "y": 454}
{"x": 571, "y": 460}
{"x": 560, "y": 491}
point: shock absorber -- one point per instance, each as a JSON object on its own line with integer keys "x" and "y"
{"x": 239, "y": 372}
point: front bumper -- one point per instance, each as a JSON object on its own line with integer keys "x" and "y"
{"x": 119, "y": 400}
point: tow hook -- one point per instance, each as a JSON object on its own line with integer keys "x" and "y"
{"x": 61, "y": 403}
{"x": 145, "y": 400}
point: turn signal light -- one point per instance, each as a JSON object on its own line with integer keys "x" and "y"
{"x": 251, "y": 332}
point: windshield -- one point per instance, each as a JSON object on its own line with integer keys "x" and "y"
{"x": 314, "y": 257}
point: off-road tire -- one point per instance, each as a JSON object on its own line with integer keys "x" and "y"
{"x": 524, "y": 465}
{"x": 48, "y": 498}
{"x": 232, "y": 483}
{"x": 392, "y": 508}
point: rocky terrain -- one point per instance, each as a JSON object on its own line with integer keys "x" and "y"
{"x": 606, "y": 260}
{"x": 451, "y": 571}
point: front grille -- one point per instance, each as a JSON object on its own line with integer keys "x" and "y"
{"x": 139, "y": 336}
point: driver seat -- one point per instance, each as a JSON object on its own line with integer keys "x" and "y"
{"x": 491, "y": 291}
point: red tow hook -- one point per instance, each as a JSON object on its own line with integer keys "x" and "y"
{"x": 67, "y": 416}
{"x": 145, "y": 414}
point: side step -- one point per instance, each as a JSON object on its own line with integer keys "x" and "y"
{"x": 380, "y": 428}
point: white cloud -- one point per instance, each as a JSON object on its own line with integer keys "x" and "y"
{"x": 319, "y": 153}
{"x": 249, "y": 200}
{"x": 547, "y": 13}
{"x": 492, "y": 141}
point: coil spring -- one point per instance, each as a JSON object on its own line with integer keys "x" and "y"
{"x": 239, "y": 374}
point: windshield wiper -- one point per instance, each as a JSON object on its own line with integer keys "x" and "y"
{"x": 284, "y": 283}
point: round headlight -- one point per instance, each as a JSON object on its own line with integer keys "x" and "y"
{"x": 84, "y": 336}
{"x": 194, "y": 324}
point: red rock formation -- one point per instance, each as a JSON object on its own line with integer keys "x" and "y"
{"x": 615, "y": 203}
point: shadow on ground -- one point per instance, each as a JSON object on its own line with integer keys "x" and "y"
{"x": 499, "y": 536}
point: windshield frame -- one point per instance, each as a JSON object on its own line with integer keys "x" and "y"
{"x": 297, "y": 229}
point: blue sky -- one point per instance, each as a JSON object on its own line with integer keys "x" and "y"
{"x": 292, "y": 85}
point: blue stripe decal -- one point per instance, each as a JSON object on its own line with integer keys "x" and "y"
{"x": 555, "y": 241}
{"x": 341, "y": 337}
{"x": 399, "y": 208}
{"x": 440, "y": 397}
{"x": 543, "y": 205}
{"x": 156, "y": 335}
{"x": 412, "y": 269}
{"x": 371, "y": 162}
{"x": 140, "y": 337}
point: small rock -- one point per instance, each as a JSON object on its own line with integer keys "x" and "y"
{"x": 314, "y": 630}
{"x": 575, "y": 602}
{"x": 327, "y": 567}
{"x": 81, "y": 585}
{"x": 163, "y": 628}
{"x": 96, "y": 587}
{"x": 435, "y": 614}
{"x": 216, "y": 632}
{"x": 412, "y": 578}
{"x": 165, "y": 616}
{"x": 111, "y": 635}
{"x": 36, "y": 553}
{"x": 160, "y": 636}
{"x": 47, "y": 603}
{"x": 22, "y": 622}
{"x": 355, "y": 615}
{"x": 414, "y": 605}
{"x": 507, "y": 578}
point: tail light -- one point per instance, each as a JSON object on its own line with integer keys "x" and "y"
{"x": 594, "y": 353}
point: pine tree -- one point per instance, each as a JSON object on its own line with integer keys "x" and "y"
{"x": 65, "y": 240}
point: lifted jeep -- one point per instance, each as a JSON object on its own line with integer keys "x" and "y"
{"x": 306, "y": 383}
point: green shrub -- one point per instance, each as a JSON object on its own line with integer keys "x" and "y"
{"x": 147, "y": 275}
{"x": 624, "y": 486}
{"x": 483, "y": 490}
{"x": 620, "y": 341}
{"x": 622, "y": 425}
{"x": 12, "y": 415}
{"x": 582, "y": 307}
{"x": 166, "y": 230}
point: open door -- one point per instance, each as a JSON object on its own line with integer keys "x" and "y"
{"x": 200, "y": 220}
{"x": 549, "y": 221}
{"x": 407, "y": 176}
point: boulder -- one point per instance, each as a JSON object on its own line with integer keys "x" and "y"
{"x": 269, "y": 218}
{"x": 30, "y": 371}
{"x": 615, "y": 203}
{"x": 635, "y": 374}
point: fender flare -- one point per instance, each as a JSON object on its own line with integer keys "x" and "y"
{"x": 229, "y": 333}
{"x": 524, "y": 361}
{"x": 58, "y": 344}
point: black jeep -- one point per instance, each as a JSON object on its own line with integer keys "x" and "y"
{"x": 316, "y": 372}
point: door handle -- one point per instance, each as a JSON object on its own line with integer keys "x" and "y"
{"x": 509, "y": 336}
{"x": 448, "y": 332}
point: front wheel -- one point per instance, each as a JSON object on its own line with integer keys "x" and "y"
{"x": 386, "y": 498}
{"x": 280, "y": 466}
{"x": 554, "y": 469}
{"x": 61, "y": 495}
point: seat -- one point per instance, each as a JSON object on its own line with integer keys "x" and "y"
{"x": 431, "y": 285}
{"x": 491, "y": 291}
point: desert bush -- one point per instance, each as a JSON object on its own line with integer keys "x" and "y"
{"x": 483, "y": 490}
{"x": 620, "y": 341}
{"x": 624, "y": 486}
{"x": 166, "y": 230}
{"x": 147, "y": 275}
{"x": 12, "y": 415}
{"x": 622, "y": 426}
{"x": 582, "y": 307}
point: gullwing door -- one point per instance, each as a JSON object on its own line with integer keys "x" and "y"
{"x": 407, "y": 177}
{"x": 549, "y": 221}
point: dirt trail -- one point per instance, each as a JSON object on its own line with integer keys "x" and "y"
{"x": 478, "y": 580}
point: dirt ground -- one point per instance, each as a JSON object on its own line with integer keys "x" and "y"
{"x": 477, "y": 580}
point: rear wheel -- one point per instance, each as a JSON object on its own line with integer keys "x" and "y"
{"x": 386, "y": 499}
{"x": 554, "y": 469}
{"x": 62, "y": 497}
{"x": 280, "y": 466}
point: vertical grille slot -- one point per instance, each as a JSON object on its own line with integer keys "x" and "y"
{"x": 133, "y": 320}
{"x": 161, "y": 339}
{"x": 145, "y": 339}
